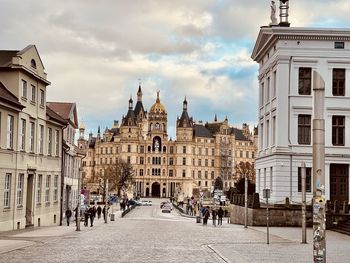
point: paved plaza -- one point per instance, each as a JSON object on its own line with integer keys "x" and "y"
{"x": 147, "y": 235}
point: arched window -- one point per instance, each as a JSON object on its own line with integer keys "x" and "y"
{"x": 149, "y": 148}
{"x": 164, "y": 149}
{"x": 33, "y": 63}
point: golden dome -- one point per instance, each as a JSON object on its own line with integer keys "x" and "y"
{"x": 157, "y": 107}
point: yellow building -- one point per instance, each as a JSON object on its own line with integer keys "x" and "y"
{"x": 164, "y": 167}
{"x": 30, "y": 143}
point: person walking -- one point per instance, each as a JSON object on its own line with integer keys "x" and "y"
{"x": 92, "y": 212}
{"x": 68, "y": 215}
{"x": 76, "y": 215}
{"x": 86, "y": 216}
{"x": 220, "y": 215}
{"x": 99, "y": 211}
{"x": 213, "y": 214}
{"x": 206, "y": 215}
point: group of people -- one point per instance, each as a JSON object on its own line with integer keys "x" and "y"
{"x": 89, "y": 213}
{"x": 216, "y": 215}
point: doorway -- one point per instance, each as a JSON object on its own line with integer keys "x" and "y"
{"x": 29, "y": 202}
{"x": 156, "y": 189}
{"x": 339, "y": 182}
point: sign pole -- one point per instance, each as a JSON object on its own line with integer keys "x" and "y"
{"x": 245, "y": 201}
{"x": 303, "y": 208}
{"x": 318, "y": 172}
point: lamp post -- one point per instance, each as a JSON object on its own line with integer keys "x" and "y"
{"x": 106, "y": 200}
{"x": 318, "y": 164}
{"x": 245, "y": 201}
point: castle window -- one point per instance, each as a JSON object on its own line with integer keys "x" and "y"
{"x": 338, "y": 82}
{"x": 304, "y": 81}
{"x": 339, "y": 45}
{"x": 184, "y": 149}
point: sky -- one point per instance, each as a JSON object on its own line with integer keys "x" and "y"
{"x": 96, "y": 52}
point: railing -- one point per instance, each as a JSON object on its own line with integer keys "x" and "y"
{"x": 128, "y": 210}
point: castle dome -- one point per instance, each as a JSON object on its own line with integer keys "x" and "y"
{"x": 157, "y": 108}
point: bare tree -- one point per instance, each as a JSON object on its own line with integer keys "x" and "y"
{"x": 245, "y": 169}
{"x": 119, "y": 176}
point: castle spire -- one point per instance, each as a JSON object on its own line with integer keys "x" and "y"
{"x": 139, "y": 93}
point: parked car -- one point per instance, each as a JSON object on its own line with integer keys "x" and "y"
{"x": 146, "y": 202}
{"x": 163, "y": 203}
{"x": 166, "y": 208}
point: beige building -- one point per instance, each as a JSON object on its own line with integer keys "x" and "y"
{"x": 165, "y": 167}
{"x": 72, "y": 157}
{"x": 30, "y": 144}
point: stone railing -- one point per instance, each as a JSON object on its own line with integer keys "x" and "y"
{"x": 128, "y": 210}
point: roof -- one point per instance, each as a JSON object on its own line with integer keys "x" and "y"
{"x": 65, "y": 110}
{"x": 115, "y": 131}
{"x": 54, "y": 116}
{"x": 6, "y": 57}
{"x": 201, "y": 131}
{"x": 239, "y": 134}
{"x": 213, "y": 127}
{"x": 139, "y": 108}
{"x": 129, "y": 119}
{"x": 8, "y": 97}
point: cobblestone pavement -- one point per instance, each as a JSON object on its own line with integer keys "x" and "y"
{"x": 147, "y": 235}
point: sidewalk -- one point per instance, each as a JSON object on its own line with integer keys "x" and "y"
{"x": 17, "y": 239}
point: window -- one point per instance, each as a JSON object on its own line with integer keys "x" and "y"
{"x": 267, "y": 133}
{"x": 171, "y": 161}
{"x": 142, "y": 160}
{"x": 212, "y": 151}
{"x": 304, "y": 81}
{"x": 274, "y": 84}
{"x": 7, "y": 191}
{"x": 141, "y": 172}
{"x": 308, "y": 179}
{"x": 338, "y": 82}
{"x": 49, "y": 141}
{"x": 199, "y": 174}
{"x": 268, "y": 90}
{"x": 261, "y": 138}
{"x": 171, "y": 149}
{"x": 47, "y": 188}
{"x": 55, "y": 188}
{"x": 206, "y": 174}
{"x": 33, "y": 63}
{"x": 212, "y": 162}
{"x": 183, "y": 173}
{"x": 57, "y": 148}
{"x": 199, "y": 162}
{"x": 20, "y": 184}
{"x": 273, "y": 130}
{"x": 31, "y": 136}
{"x": 171, "y": 173}
{"x": 129, "y": 148}
{"x": 33, "y": 93}
{"x": 24, "y": 89}
{"x": 184, "y": 149}
{"x": 42, "y": 98}
{"x": 212, "y": 175}
{"x": 338, "y": 129}
{"x": 10, "y": 122}
{"x": 262, "y": 94}
{"x": 41, "y": 139}
{"x": 183, "y": 161}
{"x": 129, "y": 159}
{"x": 339, "y": 45}
{"x": 142, "y": 149}
{"x": 304, "y": 129}
{"x": 38, "y": 188}
{"x": 22, "y": 135}
{"x": 241, "y": 154}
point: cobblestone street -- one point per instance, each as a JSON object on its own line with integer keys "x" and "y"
{"x": 147, "y": 235}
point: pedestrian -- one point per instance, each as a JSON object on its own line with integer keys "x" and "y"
{"x": 68, "y": 215}
{"x": 76, "y": 215}
{"x": 220, "y": 215}
{"x": 99, "y": 211}
{"x": 213, "y": 214}
{"x": 92, "y": 212}
{"x": 104, "y": 211}
{"x": 206, "y": 215}
{"x": 86, "y": 216}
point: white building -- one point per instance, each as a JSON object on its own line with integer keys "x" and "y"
{"x": 30, "y": 143}
{"x": 287, "y": 56}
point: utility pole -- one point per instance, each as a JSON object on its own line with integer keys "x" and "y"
{"x": 303, "y": 208}
{"x": 245, "y": 201}
{"x": 318, "y": 164}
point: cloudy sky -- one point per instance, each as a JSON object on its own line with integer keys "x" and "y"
{"x": 96, "y": 51}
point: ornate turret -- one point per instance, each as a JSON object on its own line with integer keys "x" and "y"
{"x": 81, "y": 130}
{"x": 129, "y": 119}
{"x": 184, "y": 125}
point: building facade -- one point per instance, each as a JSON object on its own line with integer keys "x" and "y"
{"x": 30, "y": 144}
{"x": 164, "y": 167}
{"x": 287, "y": 57}
{"x": 71, "y": 162}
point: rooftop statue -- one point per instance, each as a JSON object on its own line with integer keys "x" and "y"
{"x": 273, "y": 14}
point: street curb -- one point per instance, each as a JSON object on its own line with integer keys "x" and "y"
{"x": 218, "y": 254}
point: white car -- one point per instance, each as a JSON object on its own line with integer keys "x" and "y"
{"x": 146, "y": 203}
{"x": 166, "y": 208}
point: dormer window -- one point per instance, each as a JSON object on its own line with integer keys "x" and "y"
{"x": 33, "y": 63}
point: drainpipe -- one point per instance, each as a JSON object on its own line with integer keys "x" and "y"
{"x": 289, "y": 140}
{"x": 62, "y": 177}
{"x": 15, "y": 186}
